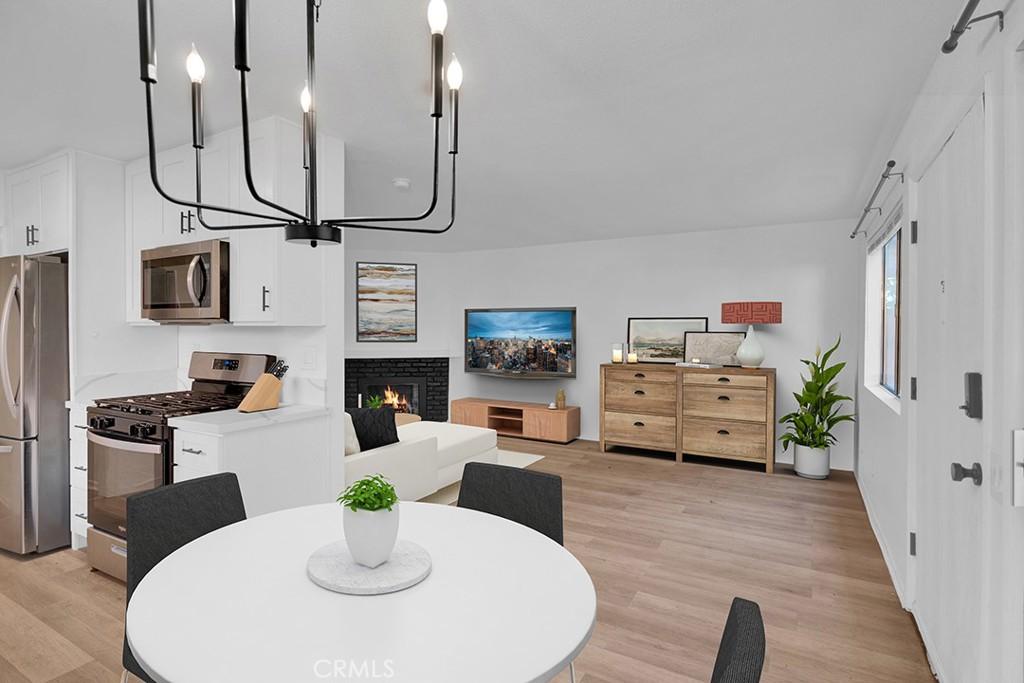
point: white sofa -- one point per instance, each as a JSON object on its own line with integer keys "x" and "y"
{"x": 427, "y": 457}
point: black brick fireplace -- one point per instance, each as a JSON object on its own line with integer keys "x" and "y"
{"x": 420, "y": 385}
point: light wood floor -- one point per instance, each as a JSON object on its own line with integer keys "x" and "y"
{"x": 668, "y": 546}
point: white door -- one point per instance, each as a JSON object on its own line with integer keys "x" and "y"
{"x": 950, "y": 282}
{"x": 254, "y": 295}
{"x": 178, "y": 178}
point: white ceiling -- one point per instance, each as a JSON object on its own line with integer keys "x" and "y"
{"x": 582, "y": 119}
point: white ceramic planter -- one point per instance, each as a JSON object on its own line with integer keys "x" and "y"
{"x": 812, "y": 463}
{"x": 371, "y": 536}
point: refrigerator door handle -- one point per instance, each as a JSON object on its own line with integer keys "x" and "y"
{"x": 5, "y": 326}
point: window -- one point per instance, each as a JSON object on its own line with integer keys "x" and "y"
{"x": 890, "y": 365}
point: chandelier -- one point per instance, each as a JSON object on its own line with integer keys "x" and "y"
{"x": 307, "y": 226}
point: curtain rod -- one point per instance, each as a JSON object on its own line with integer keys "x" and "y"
{"x": 886, "y": 174}
{"x": 964, "y": 23}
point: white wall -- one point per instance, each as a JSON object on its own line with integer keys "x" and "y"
{"x": 809, "y": 267}
{"x": 988, "y": 61}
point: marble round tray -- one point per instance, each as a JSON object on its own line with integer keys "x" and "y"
{"x": 333, "y": 568}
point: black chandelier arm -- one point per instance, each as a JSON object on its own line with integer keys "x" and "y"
{"x": 199, "y": 198}
{"x": 246, "y": 156}
{"x": 395, "y": 228}
{"x": 350, "y": 221}
{"x": 155, "y": 175}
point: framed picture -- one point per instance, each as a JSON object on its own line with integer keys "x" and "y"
{"x": 661, "y": 340}
{"x": 716, "y": 348}
{"x": 385, "y": 302}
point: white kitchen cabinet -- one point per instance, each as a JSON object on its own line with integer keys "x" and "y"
{"x": 272, "y": 282}
{"x": 281, "y": 457}
{"x": 39, "y": 207}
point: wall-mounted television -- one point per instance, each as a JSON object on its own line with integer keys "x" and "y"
{"x": 525, "y": 343}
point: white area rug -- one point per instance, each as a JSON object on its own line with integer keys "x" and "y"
{"x": 449, "y": 494}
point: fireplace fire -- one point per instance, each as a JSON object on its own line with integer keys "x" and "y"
{"x": 396, "y": 400}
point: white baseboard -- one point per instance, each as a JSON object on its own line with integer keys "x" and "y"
{"x": 897, "y": 580}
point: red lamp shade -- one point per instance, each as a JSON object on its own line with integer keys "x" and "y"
{"x": 752, "y": 312}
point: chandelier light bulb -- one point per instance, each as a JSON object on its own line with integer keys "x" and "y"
{"x": 437, "y": 16}
{"x": 305, "y": 99}
{"x": 454, "y": 73}
{"x": 195, "y": 66}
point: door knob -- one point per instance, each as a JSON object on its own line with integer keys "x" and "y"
{"x": 959, "y": 472}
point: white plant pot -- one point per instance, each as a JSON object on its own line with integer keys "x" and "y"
{"x": 371, "y": 536}
{"x": 812, "y": 463}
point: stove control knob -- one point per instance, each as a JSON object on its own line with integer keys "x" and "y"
{"x": 142, "y": 430}
{"x": 101, "y": 422}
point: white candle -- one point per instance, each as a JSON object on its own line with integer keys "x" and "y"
{"x": 631, "y": 358}
{"x": 616, "y": 355}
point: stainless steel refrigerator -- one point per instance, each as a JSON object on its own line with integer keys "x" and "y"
{"x": 34, "y": 448}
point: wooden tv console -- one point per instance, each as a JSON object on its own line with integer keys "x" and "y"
{"x": 515, "y": 418}
{"x": 716, "y": 412}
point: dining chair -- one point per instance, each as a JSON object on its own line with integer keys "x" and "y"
{"x": 533, "y": 499}
{"x": 164, "y": 519}
{"x": 741, "y": 652}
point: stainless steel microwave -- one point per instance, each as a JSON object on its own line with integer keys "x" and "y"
{"x": 186, "y": 283}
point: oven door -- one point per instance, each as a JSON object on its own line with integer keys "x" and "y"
{"x": 119, "y": 468}
{"x": 186, "y": 283}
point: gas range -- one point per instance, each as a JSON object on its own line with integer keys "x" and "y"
{"x": 131, "y": 443}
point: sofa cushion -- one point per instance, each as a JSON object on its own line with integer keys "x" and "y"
{"x": 351, "y": 440}
{"x": 455, "y": 443}
{"x": 375, "y": 427}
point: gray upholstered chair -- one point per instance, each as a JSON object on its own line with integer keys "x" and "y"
{"x": 533, "y": 499}
{"x": 164, "y": 519}
{"x": 741, "y": 652}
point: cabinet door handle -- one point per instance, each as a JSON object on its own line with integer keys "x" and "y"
{"x": 724, "y": 380}
{"x": 28, "y": 236}
{"x": 723, "y": 432}
{"x": 640, "y": 392}
{"x": 266, "y": 293}
{"x": 724, "y": 398}
{"x": 81, "y": 516}
{"x": 181, "y": 222}
{"x": 190, "y": 216}
{"x": 81, "y": 469}
{"x": 193, "y": 451}
{"x": 638, "y": 424}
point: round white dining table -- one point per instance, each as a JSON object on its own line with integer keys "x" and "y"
{"x": 503, "y": 603}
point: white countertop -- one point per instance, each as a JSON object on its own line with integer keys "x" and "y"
{"x": 226, "y": 421}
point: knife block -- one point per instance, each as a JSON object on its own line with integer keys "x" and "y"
{"x": 264, "y": 395}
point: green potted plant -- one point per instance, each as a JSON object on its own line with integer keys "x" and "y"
{"x": 375, "y": 402}
{"x": 370, "y": 519}
{"x": 819, "y": 407}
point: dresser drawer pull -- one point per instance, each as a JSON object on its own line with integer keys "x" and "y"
{"x": 639, "y": 375}
{"x": 724, "y": 380}
{"x": 724, "y": 398}
{"x": 723, "y": 432}
{"x": 638, "y": 424}
{"x": 640, "y": 392}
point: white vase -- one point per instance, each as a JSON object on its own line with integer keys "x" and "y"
{"x": 371, "y": 536}
{"x": 750, "y": 354}
{"x": 812, "y": 463}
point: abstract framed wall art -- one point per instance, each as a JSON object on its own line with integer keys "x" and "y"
{"x": 386, "y": 302}
{"x": 714, "y": 348}
{"x": 661, "y": 340}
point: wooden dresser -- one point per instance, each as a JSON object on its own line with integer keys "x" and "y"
{"x": 719, "y": 412}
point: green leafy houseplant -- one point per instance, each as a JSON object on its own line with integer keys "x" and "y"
{"x": 375, "y": 402}
{"x": 370, "y": 493}
{"x": 819, "y": 405}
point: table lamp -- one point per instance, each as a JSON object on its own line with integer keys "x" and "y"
{"x": 750, "y": 354}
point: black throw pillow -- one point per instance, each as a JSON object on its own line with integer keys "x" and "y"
{"x": 375, "y": 427}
